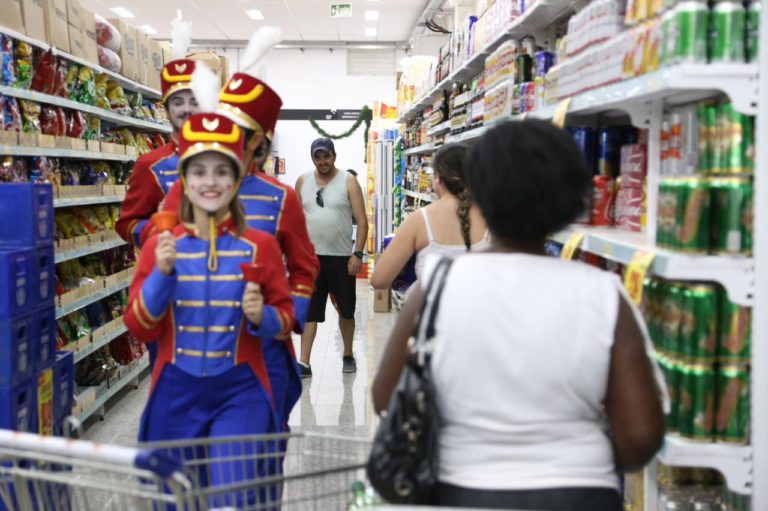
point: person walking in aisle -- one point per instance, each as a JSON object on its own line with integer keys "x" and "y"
{"x": 451, "y": 226}
{"x": 189, "y": 293}
{"x": 535, "y": 359}
{"x": 270, "y": 206}
{"x": 331, "y": 198}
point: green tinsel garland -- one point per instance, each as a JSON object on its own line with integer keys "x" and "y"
{"x": 365, "y": 115}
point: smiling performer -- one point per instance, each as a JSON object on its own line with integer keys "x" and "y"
{"x": 210, "y": 379}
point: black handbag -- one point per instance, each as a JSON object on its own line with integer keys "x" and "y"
{"x": 403, "y": 464}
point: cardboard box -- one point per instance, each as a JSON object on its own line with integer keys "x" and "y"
{"x": 93, "y": 145}
{"x": 74, "y": 14}
{"x": 144, "y": 64}
{"x": 79, "y": 144}
{"x": 10, "y": 15}
{"x": 27, "y": 139}
{"x": 382, "y": 300}
{"x": 9, "y": 137}
{"x": 56, "y": 25}
{"x": 48, "y": 141}
{"x": 129, "y": 48}
{"x": 89, "y": 36}
{"x": 33, "y": 14}
{"x": 155, "y": 64}
{"x": 76, "y": 43}
{"x": 167, "y": 55}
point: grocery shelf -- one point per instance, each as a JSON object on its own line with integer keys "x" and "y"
{"x": 99, "y": 343}
{"x": 734, "y": 273}
{"x": 118, "y": 119}
{"x": 541, "y": 15}
{"x": 426, "y": 197}
{"x": 732, "y": 460}
{"x": 87, "y": 201}
{"x": 422, "y": 149}
{"x": 441, "y": 128}
{"x": 94, "y": 297}
{"x": 90, "y": 249}
{"x": 11, "y": 150}
{"x": 114, "y": 389}
{"x": 467, "y": 135}
{"x": 122, "y": 80}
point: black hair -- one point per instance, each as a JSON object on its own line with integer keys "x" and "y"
{"x": 449, "y": 165}
{"x": 529, "y": 179}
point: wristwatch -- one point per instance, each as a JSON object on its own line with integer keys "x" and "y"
{"x": 359, "y": 255}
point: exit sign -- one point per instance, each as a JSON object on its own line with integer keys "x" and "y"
{"x": 341, "y": 10}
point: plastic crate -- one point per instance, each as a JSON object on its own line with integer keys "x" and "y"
{"x": 44, "y": 276}
{"x": 18, "y": 350}
{"x": 44, "y": 339}
{"x": 18, "y": 407}
{"x": 17, "y": 296}
{"x": 27, "y": 213}
{"x": 63, "y": 385}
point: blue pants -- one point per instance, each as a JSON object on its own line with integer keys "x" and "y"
{"x": 284, "y": 378}
{"x": 234, "y": 403}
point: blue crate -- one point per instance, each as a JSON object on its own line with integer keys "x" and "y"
{"x": 44, "y": 276}
{"x": 63, "y": 385}
{"x": 18, "y": 350}
{"x": 17, "y": 295}
{"x": 44, "y": 339}
{"x": 18, "y": 407}
{"x": 27, "y": 213}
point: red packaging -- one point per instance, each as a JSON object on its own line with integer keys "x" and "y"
{"x": 49, "y": 122}
{"x": 603, "y": 195}
{"x": 634, "y": 165}
{"x": 629, "y": 208}
{"x": 75, "y": 124}
{"x": 45, "y": 79}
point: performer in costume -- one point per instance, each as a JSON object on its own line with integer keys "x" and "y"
{"x": 270, "y": 206}
{"x": 155, "y": 172}
{"x": 210, "y": 379}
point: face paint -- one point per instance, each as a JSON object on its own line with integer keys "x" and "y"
{"x": 210, "y": 178}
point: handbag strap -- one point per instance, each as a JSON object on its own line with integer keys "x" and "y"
{"x": 425, "y": 328}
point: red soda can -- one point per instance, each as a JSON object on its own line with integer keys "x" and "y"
{"x": 603, "y": 195}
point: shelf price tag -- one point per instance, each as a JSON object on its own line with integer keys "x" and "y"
{"x": 636, "y": 272}
{"x": 558, "y": 119}
{"x": 570, "y": 246}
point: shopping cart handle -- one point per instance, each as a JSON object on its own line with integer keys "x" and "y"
{"x": 158, "y": 462}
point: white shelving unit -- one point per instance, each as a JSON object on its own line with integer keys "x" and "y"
{"x": 425, "y": 197}
{"x": 422, "y": 149}
{"x": 99, "y": 343}
{"x": 643, "y": 99}
{"x": 12, "y": 150}
{"x": 91, "y": 298}
{"x": 87, "y": 201}
{"x": 131, "y": 377}
{"x": 95, "y": 248}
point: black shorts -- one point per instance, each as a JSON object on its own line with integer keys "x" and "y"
{"x": 334, "y": 278}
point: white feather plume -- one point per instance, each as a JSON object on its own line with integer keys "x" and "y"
{"x": 261, "y": 42}
{"x": 181, "y": 38}
{"x": 205, "y": 86}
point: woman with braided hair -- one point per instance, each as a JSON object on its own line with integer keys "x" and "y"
{"x": 450, "y": 226}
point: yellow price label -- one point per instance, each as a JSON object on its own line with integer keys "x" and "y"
{"x": 560, "y": 112}
{"x": 635, "y": 275}
{"x": 570, "y": 246}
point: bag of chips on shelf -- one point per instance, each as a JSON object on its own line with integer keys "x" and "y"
{"x": 102, "y": 101}
{"x": 22, "y": 65}
{"x": 93, "y": 129}
{"x": 8, "y": 75}
{"x": 67, "y": 226}
{"x": 76, "y": 124}
{"x": 44, "y": 78}
{"x": 30, "y": 115}
{"x": 143, "y": 143}
{"x": 86, "y": 86}
{"x": 11, "y": 114}
{"x": 88, "y": 219}
{"x": 110, "y": 60}
{"x": 60, "y": 86}
{"x": 70, "y": 80}
{"x": 98, "y": 173}
{"x": 105, "y": 220}
{"x": 117, "y": 100}
{"x": 43, "y": 170}
{"x": 52, "y": 121}
{"x": 158, "y": 111}
{"x": 106, "y": 34}
{"x": 13, "y": 170}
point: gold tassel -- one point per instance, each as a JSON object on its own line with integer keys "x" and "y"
{"x": 213, "y": 259}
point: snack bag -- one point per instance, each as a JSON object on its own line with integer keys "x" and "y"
{"x": 86, "y": 87}
{"x": 107, "y": 35}
{"x": 117, "y": 99}
{"x": 44, "y": 78}
{"x": 22, "y": 65}
{"x": 7, "y": 74}
{"x": 102, "y": 101}
{"x": 11, "y": 114}
{"x": 108, "y": 59}
{"x": 30, "y": 114}
{"x": 70, "y": 81}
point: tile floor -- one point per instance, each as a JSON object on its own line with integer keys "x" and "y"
{"x": 332, "y": 402}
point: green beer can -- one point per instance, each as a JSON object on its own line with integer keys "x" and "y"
{"x": 728, "y": 31}
{"x": 701, "y": 383}
{"x": 669, "y": 38}
{"x": 729, "y": 198}
{"x": 672, "y": 375}
{"x": 670, "y": 319}
{"x": 698, "y": 326}
{"x": 747, "y": 216}
{"x": 692, "y": 24}
{"x": 735, "y": 344}
{"x": 665, "y": 216}
{"x": 754, "y": 8}
{"x": 649, "y": 308}
{"x": 737, "y": 141}
{"x": 706, "y": 118}
{"x": 692, "y": 220}
{"x": 733, "y": 415}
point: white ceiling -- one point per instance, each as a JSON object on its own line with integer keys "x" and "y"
{"x": 300, "y": 20}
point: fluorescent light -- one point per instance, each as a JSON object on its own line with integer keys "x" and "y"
{"x": 122, "y": 12}
{"x": 255, "y": 14}
{"x": 148, "y": 29}
{"x": 370, "y": 31}
{"x": 371, "y": 15}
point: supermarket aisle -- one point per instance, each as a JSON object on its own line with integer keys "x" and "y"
{"x": 332, "y": 402}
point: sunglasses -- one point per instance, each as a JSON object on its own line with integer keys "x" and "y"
{"x": 319, "y": 198}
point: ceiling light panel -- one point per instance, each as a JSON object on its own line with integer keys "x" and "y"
{"x": 255, "y": 14}
{"x": 371, "y": 15}
{"x": 122, "y": 12}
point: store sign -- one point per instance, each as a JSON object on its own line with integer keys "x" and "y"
{"x": 341, "y": 10}
{"x": 634, "y": 278}
{"x": 570, "y": 246}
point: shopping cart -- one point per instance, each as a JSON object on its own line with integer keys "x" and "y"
{"x": 283, "y": 471}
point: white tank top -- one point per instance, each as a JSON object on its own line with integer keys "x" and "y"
{"x": 436, "y": 250}
{"x": 330, "y": 225}
{"x": 520, "y": 385}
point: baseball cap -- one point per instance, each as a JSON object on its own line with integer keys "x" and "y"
{"x": 323, "y": 144}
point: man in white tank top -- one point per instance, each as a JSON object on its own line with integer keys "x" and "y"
{"x": 331, "y": 200}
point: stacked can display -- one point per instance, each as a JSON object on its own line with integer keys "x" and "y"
{"x": 703, "y": 344}
{"x": 705, "y": 195}
{"x": 36, "y": 384}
